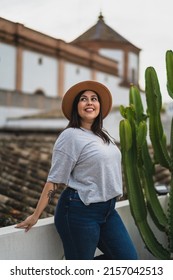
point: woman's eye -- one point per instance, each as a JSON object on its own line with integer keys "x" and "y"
{"x": 93, "y": 99}
{"x": 83, "y": 99}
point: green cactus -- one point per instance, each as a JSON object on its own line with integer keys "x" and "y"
{"x": 139, "y": 167}
{"x": 154, "y": 104}
{"x": 169, "y": 68}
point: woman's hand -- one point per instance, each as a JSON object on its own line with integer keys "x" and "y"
{"x": 28, "y": 222}
{"x": 31, "y": 220}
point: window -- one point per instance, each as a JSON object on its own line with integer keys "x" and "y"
{"x": 39, "y": 92}
{"x": 77, "y": 70}
{"x": 133, "y": 76}
{"x": 40, "y": 61}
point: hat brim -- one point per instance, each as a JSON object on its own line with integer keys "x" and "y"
{"x": 102, "y": 91}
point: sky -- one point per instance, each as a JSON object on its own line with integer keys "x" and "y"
{"x": 148, "y": 24}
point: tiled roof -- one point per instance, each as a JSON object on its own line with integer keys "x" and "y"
{"x": 101, "y": 32}
{"x": 24, "y": 164}
{"x": 25, "y": 160}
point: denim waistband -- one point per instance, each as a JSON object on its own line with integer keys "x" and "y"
{"x": 71, "y": 189}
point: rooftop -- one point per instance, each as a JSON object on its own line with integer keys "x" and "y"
{"x": 103, "y": 33}
{"x": 24, "y": 163}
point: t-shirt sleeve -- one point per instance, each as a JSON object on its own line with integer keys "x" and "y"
{"x": 64, "y": 157}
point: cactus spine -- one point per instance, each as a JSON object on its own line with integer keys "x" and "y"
{"x": 138, "y": 165}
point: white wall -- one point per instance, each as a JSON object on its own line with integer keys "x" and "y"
{"x": 14, "y": 112}
{"x": 75, "y": 73}
{"x": 40, "y": 72}
{"x": 111, "y": 124}
{"x": 40, "y": 243}
{"x": 116, "y": 55}
{"x": 7, "y": 66}
{"x": 120, "y": 95}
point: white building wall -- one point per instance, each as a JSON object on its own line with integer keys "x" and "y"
{"x": 75, "y": 73}
{"x": 116, "y": 55}
{"x": 40, "y": 72}
{"x": 14, "y": 112}
{"x": 120, "y": 95}
{"x": 111, "y": 124}
{"x": 7, "y": 66}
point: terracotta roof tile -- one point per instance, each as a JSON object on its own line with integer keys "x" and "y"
{"x": 24, "y": 165}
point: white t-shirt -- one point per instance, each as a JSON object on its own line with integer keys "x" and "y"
{"x": 85, "y": 163}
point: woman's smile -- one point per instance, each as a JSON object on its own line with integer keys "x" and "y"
{"x": 89, "y": 109}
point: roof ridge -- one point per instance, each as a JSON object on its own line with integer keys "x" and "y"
{"x": 101, "y": 31}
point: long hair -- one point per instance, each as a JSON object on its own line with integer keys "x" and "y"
{"x": 97, "y": 126}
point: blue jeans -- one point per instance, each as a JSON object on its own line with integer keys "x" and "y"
{"x": 84, "y": 228}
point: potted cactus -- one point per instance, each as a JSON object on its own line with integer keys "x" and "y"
{"x": 139, "y": 166}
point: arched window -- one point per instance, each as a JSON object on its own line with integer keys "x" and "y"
{"x": 39, "y": 92}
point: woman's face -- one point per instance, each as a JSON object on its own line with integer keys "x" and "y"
{"x": 88, "y": 107}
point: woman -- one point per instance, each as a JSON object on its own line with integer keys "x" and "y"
{"x": 88, "y": 162}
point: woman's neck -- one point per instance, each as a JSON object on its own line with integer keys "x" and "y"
{"x": 86, "y": 125}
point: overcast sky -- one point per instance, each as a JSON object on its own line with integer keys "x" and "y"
{"x": 148, "y": 24}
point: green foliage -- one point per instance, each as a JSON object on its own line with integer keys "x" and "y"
{"x": 138, "y": 165}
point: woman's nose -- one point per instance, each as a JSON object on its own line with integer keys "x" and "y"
{"x": 89, "y": 101}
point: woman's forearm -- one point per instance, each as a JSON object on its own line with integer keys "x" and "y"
{"x": 49, "y": 189}
{"x": 46, "y": 195}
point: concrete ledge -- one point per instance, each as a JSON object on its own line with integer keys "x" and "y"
{"x": 42, "y": 242}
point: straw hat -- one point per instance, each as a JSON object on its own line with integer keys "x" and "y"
{"x": 100, "y": 89}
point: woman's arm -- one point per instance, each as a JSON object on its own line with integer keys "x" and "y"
{"x": 47, "y": 193}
